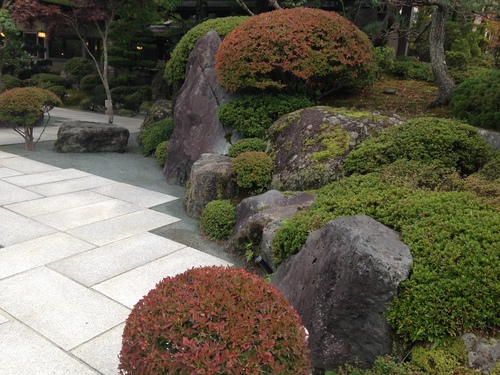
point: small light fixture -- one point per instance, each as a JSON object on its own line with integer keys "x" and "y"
{"x": 41, "y": 34}
{"x": 139, "y": 48}
{"x": 2, "y": 35}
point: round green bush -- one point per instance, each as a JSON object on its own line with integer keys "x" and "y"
{"x": 25, "y": 106}
{"x": 214, "y": 320}
{"x": 301, "y": 50}
{"x": 46, "y": 80}
{"x": 78, "y": 67}
{"x": 176, "y": 67}
{"x": 247, "y": 144}
{"x": 9, "y": 82}
{"x": 252, "y": 115}
{"x": 409, "y": 68}
{"x": 444, "y": 142}
{"x": 161, "y": 153}
{"x": 253, "y": 171}
{"x": 154, "y": 134}
{"x": 89, "y": 83}
{"x": 218, "y": 219}
{"x": 477, "y": 100}
{"x": 60, "y": 91}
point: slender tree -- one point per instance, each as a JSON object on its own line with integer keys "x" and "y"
{"x": 442, "y": 10}
{"x": 98, "y": 15}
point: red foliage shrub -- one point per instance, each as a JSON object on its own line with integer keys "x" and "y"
{"x": 214, "y": 320}
{"x": 301, "y": 49}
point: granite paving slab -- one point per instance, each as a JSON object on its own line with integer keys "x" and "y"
{"x": 39, "y": 251}
{"x": 12, "y": 194}
{"x": 65, "y": 312}
{"x": 16, "y": 228}
{"x": 46, "y": 177}
{"x": 7, "y": 172}
{"x": 40, "y": 357}
{"x": 130, "y": 287}
{"x": 56, "y": 203}
{"x": 24, "y": 165}
{"x": 133, "y": 194}
{"x": 3, "y": 319}
{"x": 91, "y": 213}
{"x": 102, "y": 263}
{"x": 117, "y": 228}
{"x": 70, "y": 186}
{"x": 102, "y": 352}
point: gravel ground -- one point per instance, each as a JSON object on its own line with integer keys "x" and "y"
{"x": 134, "y": 169}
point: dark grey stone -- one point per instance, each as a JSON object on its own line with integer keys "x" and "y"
{"x": 258, "y": 218}
{"x": 210, "y": 179}
{"x": 341, "y": 283}
{"x": 81, "y": 137}
{"x": 197, "y": 127}
{"x": 483, "y": 353}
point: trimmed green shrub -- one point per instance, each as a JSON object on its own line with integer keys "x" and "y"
{"x": 78, "y": 67}
{"x": 453, "y": 237}
{"x": 161, "y": 153}
{"x": 9, "y": 82}
{"x": 409, "y": 68}
{"x": 214, "y": 320}
{"x": 491, "y": 170}
{"x": 305, "y": 50}
{"x": 46, "y": 80}
{"x": 217, "y": 219}
{"x": 443, "y": 360}
{"x": 176, "y": 67}
{"x": 443, "y": 142}
{"x": 154, "y": 134}
{"x": 252, "y": 115}
{"x": 90, "y": 82}
{"x": 253, "y": 171}
{"x": 24, "y": 107}
{"x": 477, "y": 100}
{"x": 60, "y": 91}
{"x": 247, "y": 144}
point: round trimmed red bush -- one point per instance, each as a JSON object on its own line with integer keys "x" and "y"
{"x": 214, "y": 320}
{"x": 300, "y": 49}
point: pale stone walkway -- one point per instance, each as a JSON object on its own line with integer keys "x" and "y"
{"x": 76, "y": 254}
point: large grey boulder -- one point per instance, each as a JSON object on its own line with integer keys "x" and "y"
{"x": 483, "y": 353}
{"x": 311, "y": 144}
{"x": 210, "y": 179}
{"x": 197, "y": 128}
{"x": 81, "y": 136}
{"x": 492, "y": 137}
{"x": 341, "y": 283}
{"x": 259, "y": 217}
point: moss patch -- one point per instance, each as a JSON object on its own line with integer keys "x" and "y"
{"x": 442, "y": 360}
{"x": 334, "y": 143}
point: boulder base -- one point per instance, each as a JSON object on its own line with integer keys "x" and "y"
{"x": 211, "y": 179}
{"x": 341, "y": 283}
{"x": 91, "y": 137}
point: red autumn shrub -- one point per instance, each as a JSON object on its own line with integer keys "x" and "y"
{"x": 300, "y": 49}
{"x": 214, "y": 320}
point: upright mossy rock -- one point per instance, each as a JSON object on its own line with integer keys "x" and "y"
{"x": 311, "y": 144}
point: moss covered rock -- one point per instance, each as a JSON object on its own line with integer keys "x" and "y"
{"x": 311, "y": 144}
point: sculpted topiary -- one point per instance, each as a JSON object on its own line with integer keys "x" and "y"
{"x": 253, "y": 171}
{"x": 24, "y": 107}
{"x": 300, "y": 49}
{"x": 214, "y": 320}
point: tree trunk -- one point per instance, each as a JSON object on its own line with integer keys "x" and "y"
{"x": 443, "y": 79}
